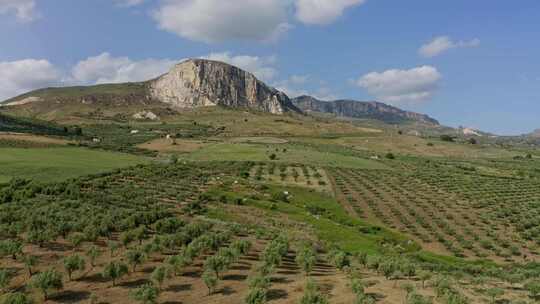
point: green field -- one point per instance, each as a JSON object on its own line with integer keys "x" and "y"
{"x": 284, "y": 153}
{"x": 54, "y": 164}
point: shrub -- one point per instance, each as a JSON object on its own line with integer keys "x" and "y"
{"x": 215, "y": 264}
{"x": 146, "y": 294}
{"x": 256, "y": 296}
{"x": 10, "y": 248}
{"x": 446, "y": 137}
{"x": 17, "y": 298}
{"x": 114, "y": 271}
{"x": 306, "y": 259}
{"x": 135, "y": 257}
{"x": 312, "y": 294}
{"x": 46, "y": 281}
{"x": 390, "y": 156}
{"x": 210, "y": 280}
{"x": 74, "y": 263}
{"x": 159, "y": 275}
{"x": 178, "y": 262}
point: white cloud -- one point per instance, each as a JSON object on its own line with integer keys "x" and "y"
{"x": 105, "y": 68}
{"x": 322, "y": 11}
{"x": 129, "y": 3}
{"x": 294, "y": 86}
{"x": 442, "y": 44}
{"x": 402, "y": 86}
{"x": 262, "y": 67}
{"x": 218, "y": 20}
{"x": 24, "y": 10}
{"x": 20, "y": 76}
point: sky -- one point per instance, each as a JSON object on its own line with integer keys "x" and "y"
{"x": 465, "y": 63}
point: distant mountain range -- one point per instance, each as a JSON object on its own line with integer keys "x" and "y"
{"x": 361, "y": 109}
{"x": 191, "y": 84}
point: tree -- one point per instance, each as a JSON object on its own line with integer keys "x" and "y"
{"x": 135, "y": 257}
{"x": 10, "y": 248}
{"x": 210, "y": 280}
{"x": 340, "y": 260}
{"x": 362, "y": 258}
{"x": 216, "y": 264}
{"x": 113, "y": 246}
{"x": 47, "y": 280}
{"x": 146, "y": 294}
{"x": 159, "y": 275}
{"x": 256, "y": 296}
{"x": 17, "y": 298}
{"x": 114, "y": 271}
{"x": 30, "y": 261}
{"x": 178, "y": 262}
{"x": 74, "y": 263}
{"x": 390, "y": 156}
{"x": 306, "y": 259}
{"x": 473, "y": 141}
{"x": 409, "y": 288}
{"x": 312, "y": 294}
{"x": 533, "y": 288}
{"x": 93, "y": 253}
{"x": 494, "y": 293}
{"x": 272, "y": 156}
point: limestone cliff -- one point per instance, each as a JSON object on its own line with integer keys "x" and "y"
{"x": 362, "y": 109}
{"x": 199, "y": 83}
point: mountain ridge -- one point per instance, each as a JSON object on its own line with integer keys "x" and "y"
{"x": 192, "y": 83}
{"x": 361, "y": 109}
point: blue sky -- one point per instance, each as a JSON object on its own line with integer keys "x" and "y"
{"x": 470, "y": 63}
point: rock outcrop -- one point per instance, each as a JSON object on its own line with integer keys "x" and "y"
{"x": 361, "y": 109}
{"x": 199, "y": 83}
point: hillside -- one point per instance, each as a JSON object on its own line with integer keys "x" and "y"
{"x": 362, "y": 109}
{"x": 190, "y": 84}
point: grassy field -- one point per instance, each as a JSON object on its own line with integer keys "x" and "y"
{"x": 283, "y": 153}
{"x": 54, "y": 164}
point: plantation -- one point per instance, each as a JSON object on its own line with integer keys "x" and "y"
{"x": 219, "y": 217}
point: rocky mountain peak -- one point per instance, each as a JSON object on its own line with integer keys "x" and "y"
{"x": 362, "y": 109}
{"x": 200, "y": 82}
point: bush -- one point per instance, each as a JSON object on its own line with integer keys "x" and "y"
{"x": 47, "y": 280}
{"x": 74, "y": 263}
{"x": 390, "y": 156}
{"x": 17, "y": 298}
{"x": 146, "y": 294}
{"x": 256, "y": 296}
{"x": 312, "y": 294}
{"x": 210, "y": 280}
{"x": 114, "y": 271}
{"x": 446, "y": 137}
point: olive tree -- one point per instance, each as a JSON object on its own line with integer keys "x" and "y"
{"x": 114, "y": 271}
{"x": 46, "y": 281}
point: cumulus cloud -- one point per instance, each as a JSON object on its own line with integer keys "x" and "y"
{"x": 217, "y": 20}
{"x": 442, "y": 44}
{"x": 322, "y": 11}
{"x": 262, "y": 67}
{"x": 20, "y": 76}
{"x": 294, "y": 86}
{"x": 24, "y": 10}
{"x": 402, "y": 86}
{"x": 105, "y": 68}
